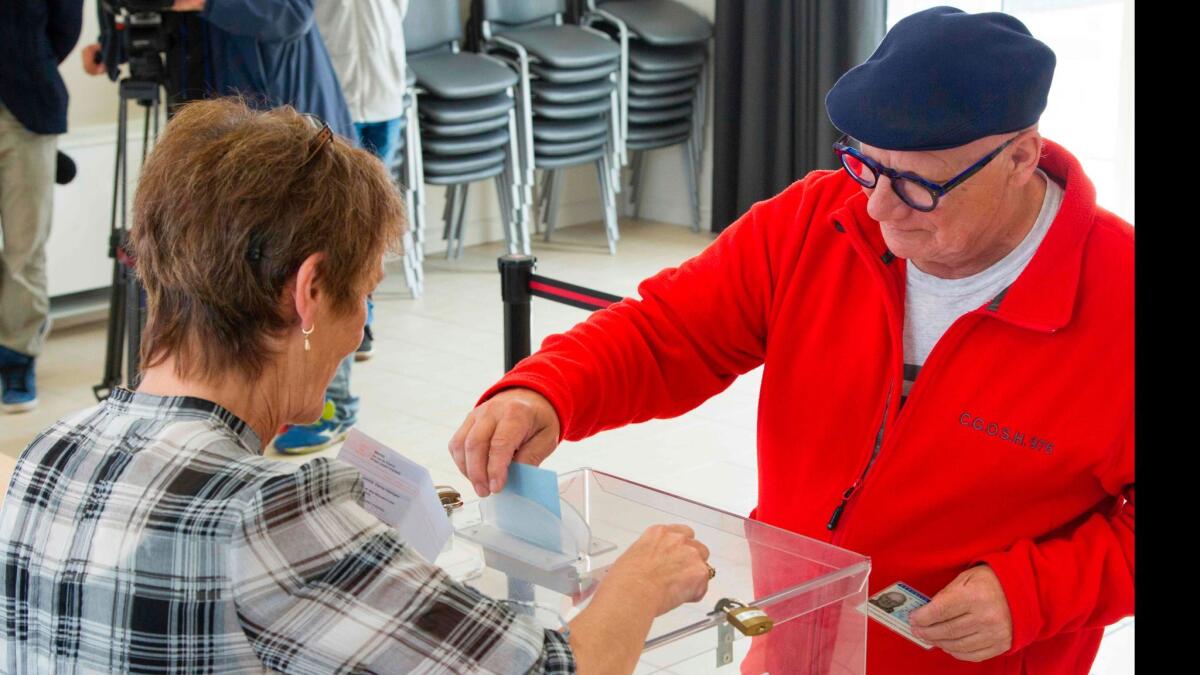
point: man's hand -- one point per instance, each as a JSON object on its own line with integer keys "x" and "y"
{"x": 92, "y": 65}
{"x": 514, "y": 425}
{"x": 188, "y": 6}
{"x": 968, "y": 619}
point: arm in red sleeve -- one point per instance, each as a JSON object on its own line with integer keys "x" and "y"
{"x": 1083, "y": 579}
{"x": 695, "y": 329}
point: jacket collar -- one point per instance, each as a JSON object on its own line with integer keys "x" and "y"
{"x": 1043, "y": 297}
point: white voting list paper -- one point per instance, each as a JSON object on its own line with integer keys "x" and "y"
{"x": 399, "y": 492}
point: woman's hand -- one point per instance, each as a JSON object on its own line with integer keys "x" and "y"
{"x": 666, "y": 567}
{"x": 663, "y": 569}
{"x": 188, "y": 6}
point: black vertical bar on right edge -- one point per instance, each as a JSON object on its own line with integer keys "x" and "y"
{"x": 515, "y": 272}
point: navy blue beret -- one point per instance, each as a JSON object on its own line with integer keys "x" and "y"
{"x": 943, "y": 78}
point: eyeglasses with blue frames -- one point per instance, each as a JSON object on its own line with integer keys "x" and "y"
{"x": 919, "y": 193}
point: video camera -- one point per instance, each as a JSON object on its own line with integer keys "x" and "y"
{"x": 155, "y": 42}
{"x": 134, "y": 30}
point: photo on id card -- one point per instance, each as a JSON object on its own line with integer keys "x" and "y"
{"x": 891, "y": 607}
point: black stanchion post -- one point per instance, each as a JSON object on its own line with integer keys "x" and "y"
{"x": 515, "y": 272}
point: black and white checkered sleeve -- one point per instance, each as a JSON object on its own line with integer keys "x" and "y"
{"x": 557, "y": 657}
{"x": 322, "y": 585}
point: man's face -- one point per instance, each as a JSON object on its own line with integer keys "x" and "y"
{"x": 968, "y": 223}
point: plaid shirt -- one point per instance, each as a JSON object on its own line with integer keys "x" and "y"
{"x": 148, "y": 534}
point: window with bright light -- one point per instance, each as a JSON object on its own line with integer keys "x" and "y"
{"x": 1090, "y": 109}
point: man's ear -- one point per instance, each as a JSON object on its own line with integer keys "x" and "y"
{"x": 306, "y": 291}
{"x": 1026, "y": 153}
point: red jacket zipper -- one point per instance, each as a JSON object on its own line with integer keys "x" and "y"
{"x": 837, "y": 512}
{"x": 896, "y": 337}
{"x": 941, "y": 346}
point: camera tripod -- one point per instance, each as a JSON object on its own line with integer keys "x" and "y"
{"x": 127, "y": 308}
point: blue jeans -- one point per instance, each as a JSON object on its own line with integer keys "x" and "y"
{"x": 380, "y": 138}
{"x": 338, "y": 391}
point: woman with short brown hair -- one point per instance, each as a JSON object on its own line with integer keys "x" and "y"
{"x": 149, "y": 533}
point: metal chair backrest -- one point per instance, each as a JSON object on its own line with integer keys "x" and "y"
{"x": 518, "y": 12}
{"x": 431, "y": 24}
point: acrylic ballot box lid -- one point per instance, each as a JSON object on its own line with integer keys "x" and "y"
{"x": 809, "y": 589}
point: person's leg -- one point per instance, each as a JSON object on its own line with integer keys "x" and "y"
{"x": 341, "y": 413}
{"x": 27, "y": 163}
{"x": 366, "y": 348}
{"x": 345, "y": 412}
{"x": 381, "y": 138}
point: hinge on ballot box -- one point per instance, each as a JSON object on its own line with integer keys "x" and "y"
{"x": 748, "y": 619}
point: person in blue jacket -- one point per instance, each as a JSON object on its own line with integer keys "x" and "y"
{"x": 35, "y": 36}
{"x": 268, "y": 51}
{"x": 271, "y": 53}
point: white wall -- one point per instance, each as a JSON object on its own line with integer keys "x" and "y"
{"x": 78, "y": 243}
{"x": 93, "y": 99}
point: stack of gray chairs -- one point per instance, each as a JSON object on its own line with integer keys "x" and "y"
{"x": 406, "y": 168}
{"x": 568, "y": 98}
{"x": 468, "y": 121}
{"x": 664, "y": 48}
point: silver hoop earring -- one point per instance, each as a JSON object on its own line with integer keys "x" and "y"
{"x": 306, "y": 333}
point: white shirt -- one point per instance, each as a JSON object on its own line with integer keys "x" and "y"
{"x": 932, "y": 304}
{"x": 365, "y": 40}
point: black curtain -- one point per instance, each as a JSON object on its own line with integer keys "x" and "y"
{"x": 775, "y": 60}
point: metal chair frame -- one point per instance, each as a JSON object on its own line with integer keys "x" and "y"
{"x": 607, "y": 167}
{"x": 693, "y": 148}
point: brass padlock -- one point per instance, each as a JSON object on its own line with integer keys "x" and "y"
{"x": 450, "y": 498}
{"x": 748, "y": 619}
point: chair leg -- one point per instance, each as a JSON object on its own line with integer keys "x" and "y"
{"x": 408, "y": 241}
{"x": 524, "y": 107}
{"x": 609, "y": 202}
{"x": 412, "y": 266}
{"x": 506, "y": 217}
{"x": 702, "y": 101}
{"x": 520, "y": 225}
{"x": 634, "y": 174}
{"x": 556, "y": 181}
{"x": 543, "y": 190}
{"x": 615, "y": 221}
{"x": 689, "y": 167}
{"x": 543, "y": 201}
{"x": 448, "y": 217}
{"x": 458, "y": 225}
{"x": 418, "y": 182}
{"x": 639, "y": 175}
{"x": 615, "y": 139}
{"x": 514, "y": 174}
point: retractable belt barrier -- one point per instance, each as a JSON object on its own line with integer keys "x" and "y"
{"x": 518, "y": 284}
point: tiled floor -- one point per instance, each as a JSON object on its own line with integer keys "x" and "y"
{"x": 435, "y": 355}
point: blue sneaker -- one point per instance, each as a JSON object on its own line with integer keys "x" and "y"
{"x": 19, "y": 383}
{"x": 301, "y": 439}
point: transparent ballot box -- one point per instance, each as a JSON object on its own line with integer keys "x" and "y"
{"x": 779, "y": 603}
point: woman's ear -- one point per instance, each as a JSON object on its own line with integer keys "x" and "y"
{"x": 306, "y": 292}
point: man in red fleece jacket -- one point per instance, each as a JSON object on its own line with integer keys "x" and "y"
{"x": 947, "y": 331}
